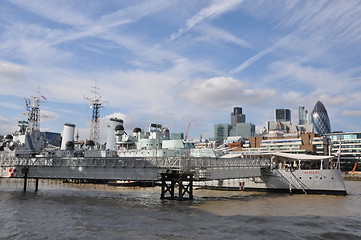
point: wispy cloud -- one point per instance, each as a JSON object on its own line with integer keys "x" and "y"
{"x": 12, "y": 105}
{"x": 11, "y": 73}
{"x": 44, "y": 42}
{"x": 213, "y": 33}
{"x": 310, "y": 76}
{"x": 251, "y": 60}
{"x": 351, "y": 113}
{"x": 309, "y": 51}
{"x": 217, "y": 8}
{"x": 337, "y": 21}
{"x": 65, "y": 12}
{"x": 6, "y": 126}
{"x": 134, "y": 13}
{"x": 48, "y": 116}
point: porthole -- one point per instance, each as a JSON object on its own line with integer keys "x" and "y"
{"x": 320, "y": 177}
{"x": 310, "y": 177}
{"x": 300, "y": 177}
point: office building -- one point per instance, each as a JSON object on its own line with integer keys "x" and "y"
{"x": 299, "y": 143}
{"x": 238, "y": 127}
{"x": 222, "y": 131}
{"x": 320, "y": 120}
{"x": 302, "y": 115}
{"x": 237, "y": 116}
{"x": 347, "y": 146}
{"x": 245, "y": 130}
{"x": 283, "y": 115}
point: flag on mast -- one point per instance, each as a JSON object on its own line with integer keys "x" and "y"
{"x": 339, "y": 154}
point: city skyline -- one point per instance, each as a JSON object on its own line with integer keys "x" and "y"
{"x": 172, "y": 63}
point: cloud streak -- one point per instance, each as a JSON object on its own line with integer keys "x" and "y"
{"x": 216, "y": 9}
{"x": 252, "y": 60}
{"x": 213, "y": 33}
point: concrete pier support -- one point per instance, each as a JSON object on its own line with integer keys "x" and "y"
{"x": 184, "y": 182}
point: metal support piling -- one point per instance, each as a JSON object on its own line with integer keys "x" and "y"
{"x": 25, "y": 182}
{"x": 36, "y": 184}
{"x": 184, "y": 181}
{"x": 25, "y": 170}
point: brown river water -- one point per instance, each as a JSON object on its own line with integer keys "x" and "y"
{"x": 88, "y": 211}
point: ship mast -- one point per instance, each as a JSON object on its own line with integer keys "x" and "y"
{"x": 32, "y": 125}
{"x": 95, "y": 104}
{"x": 33, "y": 112}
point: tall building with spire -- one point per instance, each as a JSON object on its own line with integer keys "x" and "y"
{"x": 320, "y": 120}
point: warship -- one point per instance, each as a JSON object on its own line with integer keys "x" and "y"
{"x": 297, "y": 173}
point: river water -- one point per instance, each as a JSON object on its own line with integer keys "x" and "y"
{"x": 86, "y": 211}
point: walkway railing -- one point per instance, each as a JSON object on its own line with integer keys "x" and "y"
{"x": 142, "y": 168}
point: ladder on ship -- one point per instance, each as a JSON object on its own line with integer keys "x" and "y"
{"x": 300, "y": 183}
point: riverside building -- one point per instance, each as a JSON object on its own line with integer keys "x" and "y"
{"x": 298, "y": 143}
{"x": 348, "y": 147}
{"x": 312, "y": 135}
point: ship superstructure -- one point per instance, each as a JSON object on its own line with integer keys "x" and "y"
{"x": 27, "y": 140}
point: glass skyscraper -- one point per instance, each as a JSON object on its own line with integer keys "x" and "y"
{"x": 302, "y": 115}
{"x": 320, "y": 120}
{"x": 283, "y": 115}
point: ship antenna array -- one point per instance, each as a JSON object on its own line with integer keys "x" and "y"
{"x": 95, "y": 105}
{"x": 33, "y": 112}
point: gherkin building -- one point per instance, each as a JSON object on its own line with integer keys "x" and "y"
{"x": 320, "y": 120}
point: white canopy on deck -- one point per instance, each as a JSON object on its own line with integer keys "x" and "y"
{"x": 279, "y": 156}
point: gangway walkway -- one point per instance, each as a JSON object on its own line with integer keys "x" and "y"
{"x": 133, "y": 168}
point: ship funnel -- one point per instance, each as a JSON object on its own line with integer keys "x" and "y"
{"x": 68, "y": 135}
{"x": 166, "y": 133}
{"x": 113, "y": 123}
{"x": 119, "y": 132}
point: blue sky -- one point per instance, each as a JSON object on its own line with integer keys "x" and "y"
{"x": 174, "y": 62}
